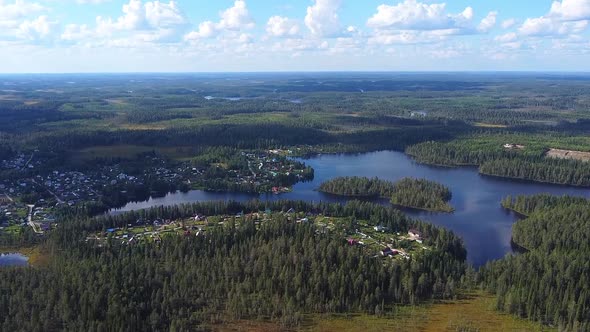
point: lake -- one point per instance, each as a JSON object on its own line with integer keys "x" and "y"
{"x": 13, "y": 259}
{"x": 486, "y": 228}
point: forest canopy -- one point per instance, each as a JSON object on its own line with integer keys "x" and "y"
{"x": 408, "y": 192}
{"x": 549, "y": 281}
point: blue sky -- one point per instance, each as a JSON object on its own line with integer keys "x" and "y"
{"x": 296, "y": 35}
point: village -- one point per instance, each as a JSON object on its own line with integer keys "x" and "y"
{"x": 15, "y": 215}
{"x": 375, "y": 241}
{"x": 31, "y": 200}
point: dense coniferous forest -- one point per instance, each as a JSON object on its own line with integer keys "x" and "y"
{"x": 549, "y": 282}
{"x": 355, "y": 186}
{"x": 278, "y": 271}
{"x": 414, "y": 193}
{"x": 570, "y": 172}
{"x": 501, "y": 162}
{"x": 422, "y": 194}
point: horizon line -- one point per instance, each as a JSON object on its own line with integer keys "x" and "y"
{"x": 305, "y": 72}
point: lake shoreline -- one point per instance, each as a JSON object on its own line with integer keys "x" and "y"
{"x": 478, "y": 218}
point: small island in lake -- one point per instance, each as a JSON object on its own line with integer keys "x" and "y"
{"x": 412, "y": 193}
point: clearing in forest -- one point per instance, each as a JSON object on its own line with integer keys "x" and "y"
{"x": 568, "y": 154}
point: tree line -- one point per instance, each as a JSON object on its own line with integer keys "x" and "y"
{"x": 549, "y": 282}
{"x": 509, "y": 163}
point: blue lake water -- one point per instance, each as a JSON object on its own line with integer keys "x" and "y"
{"x": 13, "y": 260}
{"x": 479, "y": 219}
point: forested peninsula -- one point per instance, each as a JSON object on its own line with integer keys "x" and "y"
{"x": 549, "y": 282}
{"x": 495, "y": 158}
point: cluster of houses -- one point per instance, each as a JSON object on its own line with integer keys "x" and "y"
{"x": 14, "y": 213}
{"x": 154, "y": 230}
{"x": 11, "y": 212}
{"x": 20, "y": 162}
{"x": 263, "y": 169}
{"x": 413, "y": 235}
{"x": 73, "y": 187}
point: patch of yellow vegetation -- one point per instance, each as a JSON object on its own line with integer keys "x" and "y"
{"x": 568, "y": 154}
{"x": 489, "y": 125}
{"x": 473, "y": 313}
{"x": 116, "y": 101}
{"x": 144, "y": 127}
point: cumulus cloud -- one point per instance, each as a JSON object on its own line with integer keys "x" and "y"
{"x": 152, "y": 21}
{"x": 149, "y": 16}
{"x": 570, "y": 10}
{"x": 506, "y": 38}
{"x": 278, "y": 26}
{"x": 322, "y": 18}
{"x": 75, "y": 32}
{"x": 414, "y": 22}
{"x": 565, "y": 18}
{"x": 19, "y": 21}
{"x": 488, "y": 23}
{"x": 235, "y": 18}
{"x": 545, "y": 26}
{"x": 509, "y": 23}
{"x": 37, "y": 29}
{"x": 413, "y": 15}
{"x": 93, "y": 2}
{"x": 19, "y": 9}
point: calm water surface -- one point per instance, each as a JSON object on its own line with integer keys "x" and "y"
{"x": 13, "y": 260}
{"x": 485, "y": 227}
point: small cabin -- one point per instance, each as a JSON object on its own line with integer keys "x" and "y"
{"x": 386, "y": 251}
{"x": 414, "y": 233}
{"x": 380, "y": 228}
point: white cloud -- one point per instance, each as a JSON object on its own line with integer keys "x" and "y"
{"x": 570, "y": 10}
{"x": 18, "y": 10}
{"x": 488, "y": 23}
{"x": 413, "y": 15}
{"x": 544, "y": 27}
{"x": 149, "y": 16}
{"x": 37, "y": 29}
{"x": 206, "y": 29}
{"x": 235, "y": 18}
{"x": 278, "y": 26}
{"x": 509, "y": 23}
{"x": 565, "y": 18}
{"x": 410, "y": 37}
{"x": 75, "y": 32}
{"x": 299, "y": 45}
{"x": 19, "y": 22}
{"x": 414, "y": 22}
{"x": 93, "y": 2}
{"x": 322, "y": 18}
{"x": 162, "y": 15}
{"x": 506, "y": 38}
{"x": 149, "y": 22}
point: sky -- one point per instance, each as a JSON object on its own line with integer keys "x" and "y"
{"x": 77, "y": 36}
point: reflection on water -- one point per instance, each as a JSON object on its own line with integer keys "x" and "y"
{"x": 485, "y": 227}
